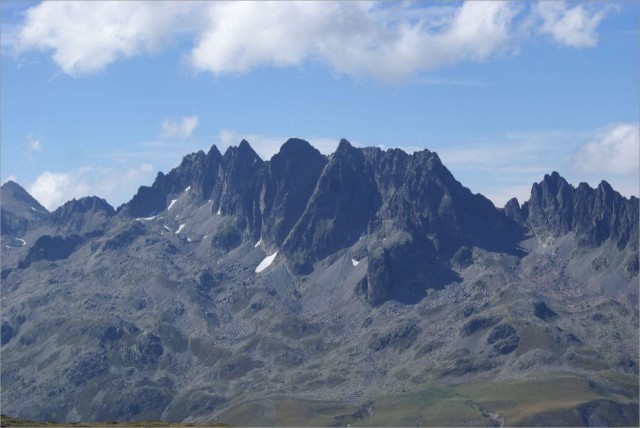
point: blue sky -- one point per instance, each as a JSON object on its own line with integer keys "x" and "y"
{"x": 98, "y": 97}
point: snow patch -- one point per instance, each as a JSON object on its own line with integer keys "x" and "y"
{"x": 355, "y": 262}
{"x": 188, "y": 239}
{"x": 258, "y": 243}
{"x": 218, "y": 212}
{"x": 173, "y": 201}
{"x": 266, "y": 262}
{"x": 187, "y": 189}
{"x": 21, "y": 240}
{"x": 146, "y": 218}
{"x": 205, "y": 237}
{"x": 180, "y": 228}
{"x": 37, "y": 210}
{"x": 167, "y": 227}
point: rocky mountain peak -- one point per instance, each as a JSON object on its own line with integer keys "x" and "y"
{"x": 214, "y": 153}
{"x": 288, "y": 185}
{"x": 346, "y": 150}
{"x": 344, "y": 200}
{"x": 89, "y": 204}
{"x": 376, "y": 265}
{"x": 242, "y": 153}
{"x": 88, "y": 215}
{"x": 344, "y": 144}
{"x": 19, "y": 209}
{"x": 512, "y": 209}
{"x": 196, "y": 171}
{"x": 294, "y": 147}
{"x": 594, "y": 215}
{"x": 12, "y": 191}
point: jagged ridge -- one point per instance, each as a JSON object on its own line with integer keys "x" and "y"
{"x": 594, "y": 215}
{"x": 412, "y": 280}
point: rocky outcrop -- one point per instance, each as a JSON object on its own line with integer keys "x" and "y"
{"x": 84, "y": 216}
{"x": 401, "y": 268}
{"x": 197, "y": 171}
{"x": 504, "y": 339}
{"x": 594, "y": 215}
{"x": 51, "y": 248}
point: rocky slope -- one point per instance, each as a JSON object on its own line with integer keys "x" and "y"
{"x": 235, "y": 288}
{"x": 19, "y": 210}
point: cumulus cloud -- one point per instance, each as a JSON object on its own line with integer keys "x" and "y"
{"x": 179, "y": 129}
{"x": 385, "y": 41}
{"x": 507, "y": 166}
{"x": 52, "y": 189}
{"x": 267, "y": 146}
{"x": 575, "y": 27}
{"x": 353, "y": 38}
{"x": 615, "y": 151}
{"x": 87, "y": 36}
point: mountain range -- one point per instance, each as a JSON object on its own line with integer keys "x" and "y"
{"x": 368, "y": 287}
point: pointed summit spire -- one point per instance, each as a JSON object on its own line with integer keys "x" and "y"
{"x": 214, "y": 152}
{"x": 344, "y": 145}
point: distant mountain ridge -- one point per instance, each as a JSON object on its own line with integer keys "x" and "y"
{"x": 356, "y": 191}
{"x": 233, "y": 280}
{"x": 311, "y": 206}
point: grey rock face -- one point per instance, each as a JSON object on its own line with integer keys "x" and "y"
{"x": 594, "y": 215}
{"x": 197, "y": 170}
{"x": 401, "y": 268}
{"x": 290, "y": 181}
{"x": 386, "y": 274}
{"x": 344, "y": 201}
{"x": 50, "y": 248}
{"x": 90, "y": 215}
{"x": 236, "y": 193}
{"x": 19, "y": 210}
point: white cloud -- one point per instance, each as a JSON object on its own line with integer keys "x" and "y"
{"x": 34, "y": 144}
{"x": 180, "y": 129}
{"x": 616, "y": 151}
{"x": 508, "y": 166}
{"x": 267, "y": 146}
{"x": 353, "y": 38}
{"x": 87, "y": 36}
{"x": 116, "y": 185}
{"x": 575, "y": 27}
{"x": 385, "y": 41}
{"x": 52, "y": 189}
